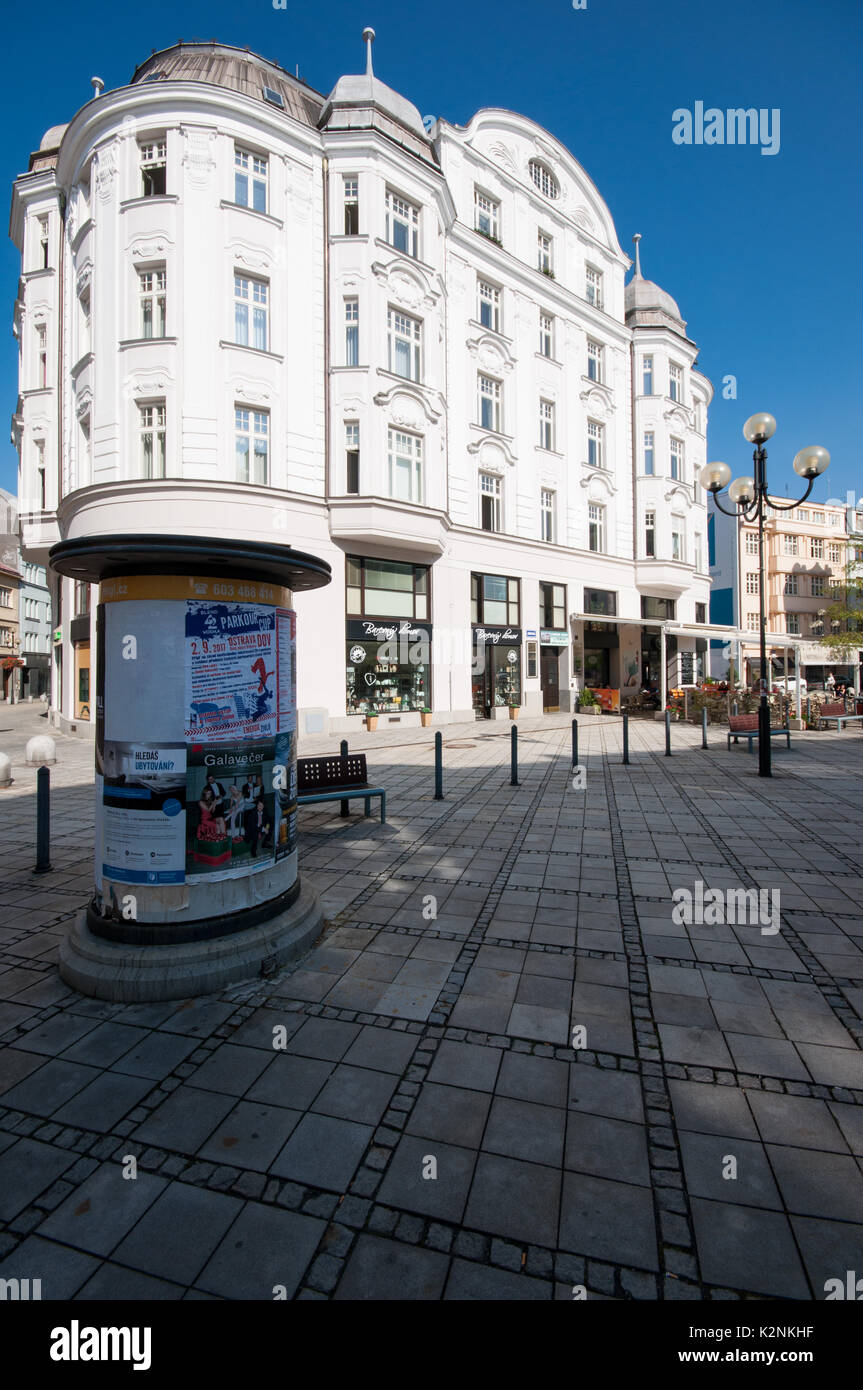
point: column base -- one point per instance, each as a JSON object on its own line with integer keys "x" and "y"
{"x": 127, "y": 973}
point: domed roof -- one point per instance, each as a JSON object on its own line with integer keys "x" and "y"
{"x": 362, "y": 101}
{"x": 238, "y": 70}
{"x": 645, "y": 294}
{"x": 52, "y": 137}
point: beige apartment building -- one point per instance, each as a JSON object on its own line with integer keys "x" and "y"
{"x": 10, "y": 636}
{"x": 805, "y": 557}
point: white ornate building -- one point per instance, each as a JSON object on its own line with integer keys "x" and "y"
{"x": 248, "y": 310}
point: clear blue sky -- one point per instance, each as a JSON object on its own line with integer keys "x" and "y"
{"x": 759, "y": 251}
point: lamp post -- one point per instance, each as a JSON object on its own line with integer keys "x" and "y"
{"x": 749, "y": 497}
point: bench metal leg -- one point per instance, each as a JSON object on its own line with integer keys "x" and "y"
{"x": 383, "y": 808}
{"x": 368, "y": 805}
{"x": 345, "y": 809}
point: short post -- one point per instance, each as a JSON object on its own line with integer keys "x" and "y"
{"x": 734, "y": 708}
{"x": 668, "y": 733}
{"x": 704, "y": 726}
{"x": 344, "y": 806}
{"x": 808, "y": 713}
{"x": 625, "y": 737}
{"x": 513, "y": 746}
{"x": 43, "y": 821}
{"x": 438, "y": 766}
{"x": 575, "y": 743}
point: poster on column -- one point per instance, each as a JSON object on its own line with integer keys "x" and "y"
{"x": 142, "y": 822}
{"x": 230, "y": 808}
{"x": 230, "y": 660}
{"x": 286, "y": 739}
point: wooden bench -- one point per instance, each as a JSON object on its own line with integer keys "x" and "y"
{"x": 836, "y": 710}
{"x": 746, "y": 726}
{"x": 337, "y": 778}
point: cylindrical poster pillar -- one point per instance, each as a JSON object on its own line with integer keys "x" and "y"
{"x": 196, "y": 874}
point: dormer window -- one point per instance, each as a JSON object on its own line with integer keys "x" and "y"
{"x": 544, "y": 179}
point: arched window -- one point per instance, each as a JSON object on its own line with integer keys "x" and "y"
{"x": 544, "y": 179}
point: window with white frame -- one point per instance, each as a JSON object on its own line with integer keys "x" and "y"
{"x": 649, "y": 453}
{"x": 43, "y": 242}
{"x": 544, "y": 179}
{"x": 489, "y": 402}
{"x": 40, "y": 473}
{"x": 6, "y": 599}
{"x": 546, "y": 424}
{"x": 546, "y": 514}
{"x": 405, "y": 454}
{"x": 152, "y": 297}
{"x": 251, "y": 303}
{"x": 152, "y": 439}
{"x": 252, "y": 445}
{"x": 678, "y": 540}
{"x": 752, "y": 582}
{"x": 490, "y": 502}
{"x": 647, "y": 375}
{"x": 402, "y": 224}
{"x": 595, "y": 444}
{"x": 675, "y": 382}
{"x": 789, "y": 545}
{"x": 596, "y": 527}
{"x": 802, "y": 513}
{"x": 818, "y": 518}
{"x": 545, "y": 252}
{"x": 154, "y": 165}
{"x": 791, "y": 584}
{"x": 676, "y": 459}
{"x": 650, "y": 535}
{"x": 546, "y": 334}
{"x": 751, "y": 543}
{"x": 792, "y": 622}
{"x": 5, "y": 637}
{"x": 351, "y": 204}
{"x": 84, "y": 322}
{"x": 352, "y": 331}
{"x": 488, "y": 305}
{"x": 593, "y": 286}
{"x": 818, "y": 586}
{"x": 404, "y": 344}
{"x": 250, "y": 179}
{"x": 352, "y": 456}
{"x": 752, "y": 622}
{"x": 697, "y": 556}
{"x": 42, "y": 355}
{"x": 832, "y": 519}
{"x": 816, "y": 548}
{"x": 834, "y": 554}
{"x": 486, "y": 213}
{"x": 594, "y": 360}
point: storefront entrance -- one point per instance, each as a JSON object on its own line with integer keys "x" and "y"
{"x": 388, "y": 666}
{"x": 496, "y": 670}
{"x": 82, "y": 680}
{"x": 549, "y": 678}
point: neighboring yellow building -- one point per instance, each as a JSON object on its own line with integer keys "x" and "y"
{"x": 10, "y": 635}
{"x": 805, "y": 556}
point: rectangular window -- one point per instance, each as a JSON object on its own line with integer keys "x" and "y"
{"x": 792, "y": 622}
{"x": 151, "y": 427}
{"x": 594, "y": 361}
{"x": 593, "y": 286}
{"x": 546, "y": 515}
{"x": 546, "y": 335}
{"x": 834, "y": 554}
{"x": 701, "y": 612}
{"x": 552, "y": 605}
{"x": 818, "y": 586}
{"x": 649, "y": 453}
{"x": 490, "y": 502}
{"x": 352, "y": 332}
{"x": 647, "y": 376}
{"x": 154, "y": 165}
{"x": 752, "y": 622}
{"x": 43, "y": 242}
{"x": 486, "y": 213}
{"x": 251, "y": 299}
{"x": 596, "y": 527}
{"x": 696, "y": 552}
{"x": 494, "y": 600}
{"x": 488, "y": 305}
{"x": 546, "y": 424}
{"x": 402, "y": 224}
{"x": 675, "y": 382}
{"x": 405, "y": 466}
{"x": 42, "y": 351}
{"x": 250, "y": 179}
{"x": 6, "y": 599}
{"x": 650, "y": 535}
{"x": 751, "y": 543}
{"x": 789, "y": 545}
{"x": 351, "y": 202}
{"x": 676, "y": 459}
{"x": 752, "y": 582}
{"x": 659, "y": 609}
{"x": 678, "y": 551}
{"x": 816, "y": 548}
{"x": 404, "y": 343}
{"x": 601, "y": 601}
{"x": 791, "y": 584}
{"x": 352, "y": 456}
{"x": 252, "y": 445}
{"x": 386, "y": 588}
{"x": 489, "y": 403}
{"x": 595, "y": 450}
{"x": 152, "y": 294}
{"x": 40, "y": 473}
{"x": 544, "y": 253}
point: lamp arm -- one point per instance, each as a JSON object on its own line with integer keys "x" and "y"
{"x": 789, "y": 506}
{"x": 715, "y": 496}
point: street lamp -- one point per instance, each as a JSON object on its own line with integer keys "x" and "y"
{"x": 749, "y": 497}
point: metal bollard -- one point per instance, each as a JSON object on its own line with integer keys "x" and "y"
{"x": 625, "y": 737}
{"x": 668, "y": 733}
{"x": 43, "y": 821}
{"x": 734, "y": 708}
{"x": 344, "y": 806}
{"x": 438, "y": 766}
{"x": 575, "y": 743}
{"x": 513, "y": 760}
{"x": 704, "y": 728}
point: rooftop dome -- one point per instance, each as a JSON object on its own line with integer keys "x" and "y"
{"x": 237, "y": 69}
{"x": 647, "y": 304}
{"x": 52, "y": 137}
{"x": 363, "y": 100}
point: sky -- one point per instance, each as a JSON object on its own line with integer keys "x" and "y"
{"x": 757, "y": 249}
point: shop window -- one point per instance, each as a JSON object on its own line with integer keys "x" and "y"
{"x": 552, "y": 605}
{"x": 387, "y": 589}
{"x": 494, "y": 600}
{"x": 659, "y": 609}
{"x": 602, "y": 601}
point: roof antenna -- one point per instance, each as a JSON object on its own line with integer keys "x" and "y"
{"x": 97, "y": 85}
{"x": 637, "y": 239}
{"x": 368, "y": 40}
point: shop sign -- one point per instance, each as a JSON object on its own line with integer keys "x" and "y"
{"x": 58, "y": 634}
{"x": 382, "y": 630}
{"x": 553, "y": 637}
{"x": 531, "y": 632}
{"x": 497, "y": 636}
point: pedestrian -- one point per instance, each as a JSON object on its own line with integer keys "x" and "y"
{"x": 830, "y": 683}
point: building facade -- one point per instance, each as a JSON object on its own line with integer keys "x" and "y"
{"x": 249, "y": 310}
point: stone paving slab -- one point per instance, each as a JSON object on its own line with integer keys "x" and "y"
{"x": 428, "y": 1130}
